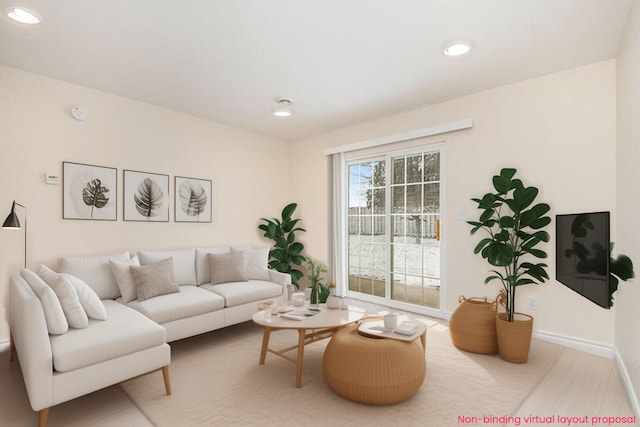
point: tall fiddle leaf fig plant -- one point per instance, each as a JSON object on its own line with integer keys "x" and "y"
{"x": 514, "y": 226}
{"x": 286, "y": 252}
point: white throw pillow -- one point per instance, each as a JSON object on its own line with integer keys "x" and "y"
{"x": 88, "y": 298}
{"x": 124, "y": 278}
{"x": 73, "y": 310}
{"x": 257, "y": 267}
{"x": 53, "y": 313}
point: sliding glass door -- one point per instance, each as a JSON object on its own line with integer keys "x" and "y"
{"x": 394, "y": 227}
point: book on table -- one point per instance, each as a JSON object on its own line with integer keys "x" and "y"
{"x": 300, "y": 314}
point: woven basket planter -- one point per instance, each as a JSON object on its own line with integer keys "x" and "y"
{"x": 514, "y": 338}
{"x": 473, "y": 326}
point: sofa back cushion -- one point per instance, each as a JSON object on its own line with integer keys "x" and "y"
{"x": 184, "y": 263}
{"x": 257, "y": 262}
{"x": 203, "y": 268}
{"x": 95, "y": 272}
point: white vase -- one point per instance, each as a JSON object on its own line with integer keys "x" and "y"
{"x": 333, "y": 301}
{"x": 298, "y": 299}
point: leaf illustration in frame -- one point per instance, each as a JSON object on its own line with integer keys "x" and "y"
{"x": 146, "y": 196}
{"x": 95, "y": 195}
{"x": 149, "y": 198}
{"x": 89, "y": 192}
{"x": 193, "y": 198}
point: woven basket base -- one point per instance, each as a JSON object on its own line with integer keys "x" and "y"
{"x": 473, "y": 326}
{"x": 372, "y": 370}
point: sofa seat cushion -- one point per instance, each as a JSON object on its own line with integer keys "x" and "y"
{"x": 190, "y": 301}
{"x": 124, "y": 332}
{"x": 238, "y": 293}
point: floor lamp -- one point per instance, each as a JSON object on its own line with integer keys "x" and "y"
{"x": 13, "y": 223}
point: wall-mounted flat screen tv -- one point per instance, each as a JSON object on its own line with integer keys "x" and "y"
{"x": 582, "y": 254}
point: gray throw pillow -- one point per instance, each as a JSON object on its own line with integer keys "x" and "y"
{"x": 227, "y": 268}
{"x": 154, "y": 279}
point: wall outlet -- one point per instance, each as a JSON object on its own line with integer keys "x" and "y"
{"x": 533, "y": 303}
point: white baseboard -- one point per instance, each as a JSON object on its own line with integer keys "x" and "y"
{"x": 4, "y": 344}
{"x": 593, "y": 347}
{"x": 626, "y": 381}
{"x": 598, "y": 349}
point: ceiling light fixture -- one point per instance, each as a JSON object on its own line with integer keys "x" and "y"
{"x": 25, "y": 16}
{"x": 284, "y": 107}
{"x": 457, "y": 48}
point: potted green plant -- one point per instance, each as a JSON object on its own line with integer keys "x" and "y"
{"x": 286, "y": 252}
{"x": 514, "y": 227}
{"x": 319, "y": 290}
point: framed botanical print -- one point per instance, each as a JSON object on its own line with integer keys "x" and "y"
{"x": 192, "y": 200}
{"x": 89, "y": 192}
{"x": 146, "y": 196}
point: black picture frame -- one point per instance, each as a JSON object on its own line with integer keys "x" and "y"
{"x": 146, "y": 196}
{"x": 89, "y": 192}
{"x": 192, "y": 200}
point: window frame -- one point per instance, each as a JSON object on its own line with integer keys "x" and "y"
{"x": 387, "y": 153}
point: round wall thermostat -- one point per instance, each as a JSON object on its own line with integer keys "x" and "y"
{"x": 79, "y": 113}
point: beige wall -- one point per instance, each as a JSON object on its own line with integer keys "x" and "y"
{"x": 249, "y": 172}
{"x": 559, "y": 131}
{"x": 627, "y": 339}
{"x": 553, "y": 129}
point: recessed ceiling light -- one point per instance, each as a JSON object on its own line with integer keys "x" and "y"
{"x": 457, "y": 48}
{"x": 25, "y": 16}
{"x": 284, "y": 107}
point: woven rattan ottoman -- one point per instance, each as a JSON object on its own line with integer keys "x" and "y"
{"x": 376, "y": 371}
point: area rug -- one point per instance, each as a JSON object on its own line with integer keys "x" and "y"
{"x": 108, "y": 407}
{"x": 217, "y": 381}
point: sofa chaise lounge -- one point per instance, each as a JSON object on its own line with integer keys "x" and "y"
{"x": 208, "y": 289}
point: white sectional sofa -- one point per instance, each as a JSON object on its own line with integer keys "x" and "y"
{"x": 135, "y": 306}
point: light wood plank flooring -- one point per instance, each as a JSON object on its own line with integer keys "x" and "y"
{"x": 579, "y": 386}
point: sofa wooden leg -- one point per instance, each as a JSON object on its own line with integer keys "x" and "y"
{"x": 167, "y": 382}
{"x": 43, "y": 417}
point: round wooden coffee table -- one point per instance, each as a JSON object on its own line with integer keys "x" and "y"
{"x": 310, "y": 329}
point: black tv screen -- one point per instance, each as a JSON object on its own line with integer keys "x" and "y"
{"x": 582, "y": 255}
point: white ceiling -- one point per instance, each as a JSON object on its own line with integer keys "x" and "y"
{"x": 341, "y": 61}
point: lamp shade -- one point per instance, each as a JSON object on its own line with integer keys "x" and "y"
{"x": 12, "y": 220}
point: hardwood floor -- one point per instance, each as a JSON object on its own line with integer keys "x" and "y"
{"x": 577, "y": 389}
{"x": 579, "y": 386}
